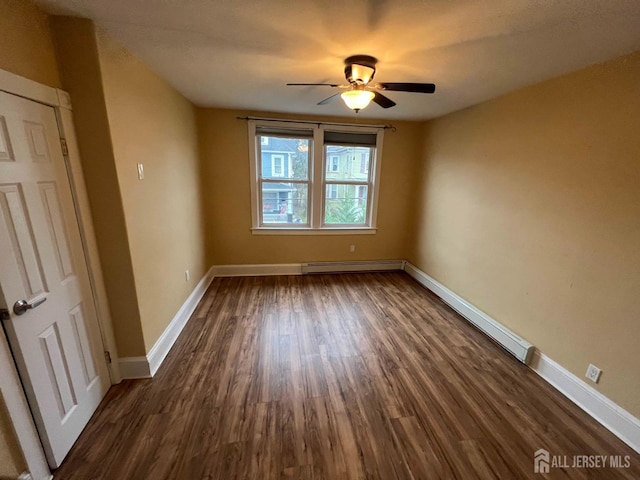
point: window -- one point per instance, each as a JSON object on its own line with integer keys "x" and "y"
{"x": 309, "y": 178}
{"x": 277, "y": 165}
{"x": 333, "y": 164}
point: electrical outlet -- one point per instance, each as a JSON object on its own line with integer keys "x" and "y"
{"x": 187, "y": 275}
{"x": 140, "y": 171}
{"x": 593, "y": 373}
{"x": 352, "y": 248}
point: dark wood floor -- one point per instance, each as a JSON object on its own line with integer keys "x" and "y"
{"x": 335, "y": 377}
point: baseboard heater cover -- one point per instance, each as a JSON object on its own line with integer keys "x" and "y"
{"x": 365, "y": 266}
{"x": 517, "y": 346}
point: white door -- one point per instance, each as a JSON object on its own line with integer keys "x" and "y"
{"x": 55, "y": 340}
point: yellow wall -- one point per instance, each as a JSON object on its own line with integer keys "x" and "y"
{"x": 151, "y": 123}
{"x": 26, "y": 50}
{"x": 12, "y": 462}
{"x": 149, "y": 232}
{"x": 82, "y": 78}
{"x": 225, "y": 155}
{"x": 530, "y": 210}
{"x": 26, "y": 42}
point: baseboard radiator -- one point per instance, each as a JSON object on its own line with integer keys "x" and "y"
{"x": 517, "y": 346}
{"x": 338, "y": 267}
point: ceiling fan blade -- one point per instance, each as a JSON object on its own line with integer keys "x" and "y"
{"x": 407, "y": 87}
{"x": 384, "y": 102}
{"x": 329, "y": 99}
{"x": 313, "y": 85}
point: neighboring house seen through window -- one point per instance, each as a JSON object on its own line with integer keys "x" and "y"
{"x": 312, "y": 177}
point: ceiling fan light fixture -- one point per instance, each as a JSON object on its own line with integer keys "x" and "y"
{"x": 357, "y": 99}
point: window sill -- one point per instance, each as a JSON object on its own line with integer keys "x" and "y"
{"x": 313, "y": 231}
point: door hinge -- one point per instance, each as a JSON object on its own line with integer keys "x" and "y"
{"x": 65, "y": 150}
{"x": 107, "y": 356}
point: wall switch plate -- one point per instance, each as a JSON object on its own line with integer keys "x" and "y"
{"x": 593, "y": 373}
{"x": 140, "y": 171}
{"x": 187, "y": 275}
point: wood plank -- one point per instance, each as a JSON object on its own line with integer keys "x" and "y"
{"x": 336, "y": 377}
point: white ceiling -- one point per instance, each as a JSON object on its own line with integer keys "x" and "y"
{"x": 240, "y": 53}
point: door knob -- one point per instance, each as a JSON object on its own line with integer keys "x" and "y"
{"x": 21, "y": 306}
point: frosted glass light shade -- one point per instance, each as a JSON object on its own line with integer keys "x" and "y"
{"x": 357, "y": 99}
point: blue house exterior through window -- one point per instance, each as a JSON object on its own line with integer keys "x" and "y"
{"x": 276, "y": 163}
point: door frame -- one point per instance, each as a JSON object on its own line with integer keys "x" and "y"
{"x": 10, "y": 385}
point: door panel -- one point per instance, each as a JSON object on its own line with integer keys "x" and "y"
{"x": 53, "y": 213}
{"x": 6, "y": 155}
{"x": 56, "y": 345}
{"x": 55, "y": 361}
{"x": 83, "y": 344}
{"x": 18, "y": 229}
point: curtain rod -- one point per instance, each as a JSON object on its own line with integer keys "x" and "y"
{"x": 264, "y": 119}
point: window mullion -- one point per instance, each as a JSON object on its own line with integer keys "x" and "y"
{"x": 374, "y": 178}
{"x": 254, "y": 155}
{"x": 317, "y": 179}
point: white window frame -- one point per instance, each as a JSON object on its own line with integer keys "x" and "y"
{"x": 280, "y": 159}
{"x": 316, "y": 182}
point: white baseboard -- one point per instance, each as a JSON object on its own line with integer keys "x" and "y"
{"x": 146, "y": 367}
{"x": 514, "y": 344}
{"x": 257, "y": 270}
{"x": 351, "y": 267}
{"x": 613, "y": 417}
{"x": 28, "y": 476}
{"x": 161, "y": 348}
{"x": 25, "y": 476}
{"x": 134, "y": 367}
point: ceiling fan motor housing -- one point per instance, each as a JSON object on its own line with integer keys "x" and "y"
{"x": 360, "y": 69}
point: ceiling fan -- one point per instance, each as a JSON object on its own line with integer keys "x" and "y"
{"x": 359, "y": 71}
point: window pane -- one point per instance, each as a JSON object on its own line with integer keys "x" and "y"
{"x": 283, "y": 157}
{"x": 348, "y": 162}
{"x": 345, "y": 204}
{"x": 285, "y": 202}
